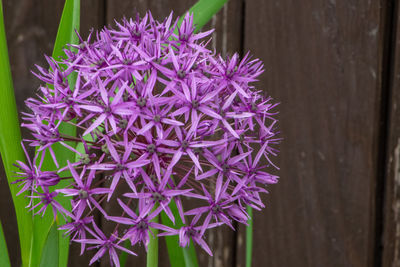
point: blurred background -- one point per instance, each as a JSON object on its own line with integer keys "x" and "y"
{"x": 334, "y": 66}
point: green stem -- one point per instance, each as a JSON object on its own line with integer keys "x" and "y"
{"x": 178, "y": 256}
{"x": 152, "y": 249}
{"x": 249, "y": 237}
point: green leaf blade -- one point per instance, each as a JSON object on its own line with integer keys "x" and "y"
{"x": 10, "y": 144}
{"x": 70, "y": 21}
{"x": 203, "y": 11}
{"x": 4, "y": 258}
{"x": 51, "y": 249}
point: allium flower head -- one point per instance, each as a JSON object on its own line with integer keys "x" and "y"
{"x": 160, "y": 119}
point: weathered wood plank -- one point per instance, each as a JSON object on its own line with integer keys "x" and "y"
{"x": 391, "y": 217}
{"x": 323, "y": 63}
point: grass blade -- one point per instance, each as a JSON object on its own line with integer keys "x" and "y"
{"x": 202, "y": 11}
{"x": 70, "y": 20}
{"x": 4, "y": 259}
{"x": 10, "y": 144}
{"x": 249, "y": 238}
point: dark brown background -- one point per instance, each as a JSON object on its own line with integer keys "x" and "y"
{"x": 334, "y": 65}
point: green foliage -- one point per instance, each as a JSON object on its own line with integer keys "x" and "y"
{"x": 50, "y": 254}
{"x": 4, "y": 259}
{"x": 203, "y": 11}
{"x": 10, "y": 144}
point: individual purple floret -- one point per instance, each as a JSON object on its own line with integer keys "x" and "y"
{"x": 163, "y": 124}
{"x": 104, "y": 244}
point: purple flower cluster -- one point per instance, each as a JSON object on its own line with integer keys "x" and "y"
{"x": 161, "y": 121}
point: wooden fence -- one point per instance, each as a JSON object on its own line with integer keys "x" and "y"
{"x": 334, "y": 65}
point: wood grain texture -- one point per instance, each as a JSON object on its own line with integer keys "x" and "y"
{"x": 323, "y": 63}
{"x": 391, "y": 227}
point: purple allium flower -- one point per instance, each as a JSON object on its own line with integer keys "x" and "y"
{"x": 160, "y": 119}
